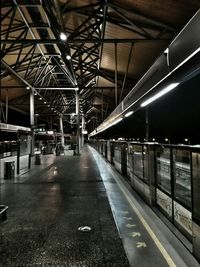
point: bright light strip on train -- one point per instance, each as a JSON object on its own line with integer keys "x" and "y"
{"x": 158, "y": 95}
{"x": 109, "y": 125}
{"x": 118, "y": 120}
{"x": 128, "y": 114}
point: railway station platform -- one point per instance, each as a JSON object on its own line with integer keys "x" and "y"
{"x": 79, "y": 211}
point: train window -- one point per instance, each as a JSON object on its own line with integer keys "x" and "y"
{"x": 163, "y": 169}
{"x": 138, "y": 161}
{"x": 182, "y": 176}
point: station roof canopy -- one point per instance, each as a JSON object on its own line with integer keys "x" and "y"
{"x": 108, "y": 47}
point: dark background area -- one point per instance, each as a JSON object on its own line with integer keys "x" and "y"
{"x": 175, "y": 116}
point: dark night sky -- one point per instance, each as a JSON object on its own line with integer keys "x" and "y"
{"x": 175, "y": 116}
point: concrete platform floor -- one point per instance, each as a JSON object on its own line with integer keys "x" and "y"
{"x": 46, "y": 208}
{"x": 49, "y": 204}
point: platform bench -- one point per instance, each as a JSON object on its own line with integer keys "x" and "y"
{"x": 3, "y": 212}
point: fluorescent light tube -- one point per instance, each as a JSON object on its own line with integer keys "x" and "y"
{"x": 118, "y": 120}
{"x": 128, "y": 114}
{"x": 161, "y": 93}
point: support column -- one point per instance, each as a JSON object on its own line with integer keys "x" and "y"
{"x": 147, "y": 125}
{"x": 7, "y": 106}
{"x": 62, "y": 131}
{"x": 32, "y": 120}
{"x": 78, "y": 122}
{"x": 83, "y": 129}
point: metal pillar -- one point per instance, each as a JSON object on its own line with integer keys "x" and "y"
{"x": 78, "y": 122}
{"x": 32, "y": 120}
{"x": 83, "y": 129}
{"x": 62, "y": 131}
{"x": 147, "y": 125}
{"x": 7, "y": 106}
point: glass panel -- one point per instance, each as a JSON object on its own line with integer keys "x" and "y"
{"x": 146, "y": 160}
{"x": 163, "y": 169}
{"x": 25, "y": 145}
{"x": 8, "y": 148}
{"x": 182, "y": 176}
{"x": 138, "y": 161}
{"x": 196, "y": 186}
{"x": 117, "y": 152}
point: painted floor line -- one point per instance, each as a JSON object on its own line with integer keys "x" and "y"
{"x": 151, "y": 233}
{"x": 159, "y": 245}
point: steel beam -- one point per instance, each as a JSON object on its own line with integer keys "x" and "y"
{"x": 83, "y": 40}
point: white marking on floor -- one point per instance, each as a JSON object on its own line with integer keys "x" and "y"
{"x": 151, "y": 233}
{"x": 134, "y": 234}
{"x": 141, "y": 245}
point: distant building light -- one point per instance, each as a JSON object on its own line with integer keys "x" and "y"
{"x": 63, "y": 36}
{"x": 45, "y": 102}
{"x": 35, "y": 93}
{"x": 158, "y": 95}
{"x": 128, "y": 114}
{"x": 186, "y": 139}
{"x": 166, "y": 139}
{"x": 27, "y": 88}
{"x": 40, "y": 98}
{"x": 153, "y": 139}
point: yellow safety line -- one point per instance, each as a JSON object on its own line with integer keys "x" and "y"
{"x": 149, "y": 230}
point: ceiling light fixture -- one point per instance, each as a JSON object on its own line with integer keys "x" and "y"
{"x": 158, "y": 95}
{"x": 63, "y": 36}
{"x": 128, "y": 114}
{"x": 68, "y": 57}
